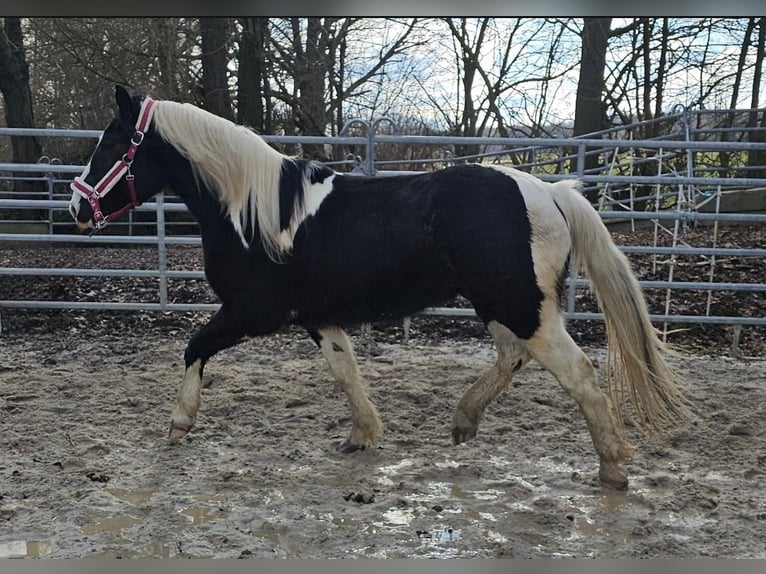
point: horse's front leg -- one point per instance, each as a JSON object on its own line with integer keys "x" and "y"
{"x": 225, "y": 329}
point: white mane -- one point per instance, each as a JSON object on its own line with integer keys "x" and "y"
{"x": 236, "y": 164}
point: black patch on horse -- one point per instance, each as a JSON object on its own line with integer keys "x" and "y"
{"x": 291, "y": 190}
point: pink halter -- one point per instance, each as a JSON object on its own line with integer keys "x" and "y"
{"x": 122, "y": 167}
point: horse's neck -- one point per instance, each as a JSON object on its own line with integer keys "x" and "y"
{"x": 202, "y": 203}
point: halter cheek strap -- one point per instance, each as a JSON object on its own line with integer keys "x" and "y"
{"x": 93, "y": 194}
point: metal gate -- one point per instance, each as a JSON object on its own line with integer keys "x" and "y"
{"x": 681, "y": 188}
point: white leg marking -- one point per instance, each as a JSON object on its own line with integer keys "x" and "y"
{"x": 365, "y": 422}
{"x": 187, "y": 401}
{"x": 555, "y": 350}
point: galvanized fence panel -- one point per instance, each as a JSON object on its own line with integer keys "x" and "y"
{"x": 678, "y": 186}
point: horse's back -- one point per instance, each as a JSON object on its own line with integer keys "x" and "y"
{"x": 369, "y": 253}
{"x": 388, "y": 247}
{"x": 507, "y": 242}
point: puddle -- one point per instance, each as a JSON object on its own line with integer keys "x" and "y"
{"x": 584, "y": 524}
{"x": 113, "y": 524}
{"x": 204, "y": 509}
{"x": 279, "y": 537}
{"x": 25, "y": 549}
{"x": 455, "y": 491}
{"x": 200, "y": 514}
{"x": 584, "y": 511}
{"x": 134, "y": 497}
{"x": 615, "y": 501}
{"x": 608, "y": 519}
{"x": 152, "y": 551}
{"x": 158, "y": 550}
{"x": 691, "y": 519}
{"x": 389, "y": 471}
{"x": 458, "y": 492}
{"x": 439, "y": 535}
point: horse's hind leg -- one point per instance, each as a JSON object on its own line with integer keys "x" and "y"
{"x": 555, "y": 350}
{"x": 511, "y": 356}
{"x": 365, "y": 422}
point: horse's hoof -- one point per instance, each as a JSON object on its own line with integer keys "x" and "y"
{"x": 347, "y": 447}
{"x": 613, "y": 478}
{"x": 177, "y": 431}
{"x": 460, "y": 435}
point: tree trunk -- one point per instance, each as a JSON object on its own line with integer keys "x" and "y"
{"x": 589, "y": 109}
{"x": 14, "y": 84}
{"x": 215, "y": 60}
{"x": 471, "y": 67}
{"x": 730, "y": 118}
{"x": 311, "y": 69}
{"x": 163, "y": 38}
{"x": 251, "y": 80}
{"x": 757, "y": 158}
{"x": 660, "y": 73}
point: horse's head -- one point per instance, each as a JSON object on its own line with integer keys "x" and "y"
{"x": 119, "y": 175}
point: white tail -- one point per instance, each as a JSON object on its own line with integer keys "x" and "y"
{"x": 635, "y": 363}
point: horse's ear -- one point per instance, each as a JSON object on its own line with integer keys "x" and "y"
{"x": 124, "y": 102}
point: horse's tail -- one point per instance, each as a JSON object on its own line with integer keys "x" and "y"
{"x": 635, "y": 362}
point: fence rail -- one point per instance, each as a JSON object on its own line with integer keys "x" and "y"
{"x": 686, "y": 186}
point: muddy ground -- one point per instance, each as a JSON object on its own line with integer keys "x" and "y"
{"x": 86, "y": 470}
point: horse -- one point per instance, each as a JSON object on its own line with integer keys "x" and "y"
{"x": 288, "y": 240}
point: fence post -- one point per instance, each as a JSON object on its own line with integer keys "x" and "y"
{"x": 573, "y": 272}
{"x": 369, "y": 161}
{"x": 580, "y": 160}
{"x": 371, "y": 132}
{"x": 162, "y": 254}
{"x": 49, "y": 184}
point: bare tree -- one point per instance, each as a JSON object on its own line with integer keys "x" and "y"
{"x": 253, "y": 96}
{"x": 589, "y": 108}
{"x": 164, "y": 44}
{"x": 469, "y": 46}
{"x": 725, "y": 156}
{"x": 214, "y": 33}
{"x": 756, "y": 159}
{"x": 77, "y": 61}
{"x": 506, "y": 71}
{"x": 477, "y": 76}
{"x": 17, "y": 96}
{"x": 313, "y": 76}
{"x": 313, "y": 61}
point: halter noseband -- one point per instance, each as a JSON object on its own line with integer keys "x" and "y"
{"x": 121, "y": 167}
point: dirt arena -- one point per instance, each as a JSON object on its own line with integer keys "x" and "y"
{"x": 86, "y": 469}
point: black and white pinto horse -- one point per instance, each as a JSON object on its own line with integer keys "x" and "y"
{"x": 287, "y": 240}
